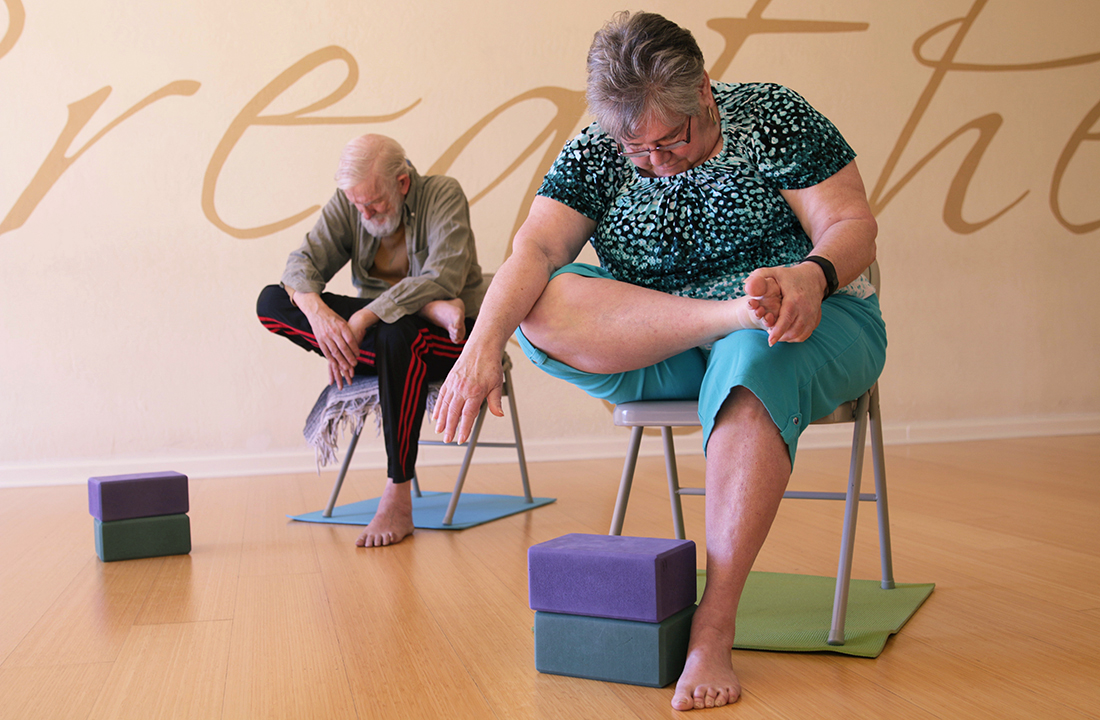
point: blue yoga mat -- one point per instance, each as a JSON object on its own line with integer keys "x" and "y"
{"x": 429, "y": 509}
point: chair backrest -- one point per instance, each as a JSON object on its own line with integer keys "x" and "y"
{"x": 874, "y": 276}
{"x": 846, "y": 412}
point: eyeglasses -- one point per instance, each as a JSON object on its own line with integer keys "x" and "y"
{"x": 670, "y": 146}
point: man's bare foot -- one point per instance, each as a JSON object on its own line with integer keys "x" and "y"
{"x": 393, "y": 521}
{"x": 449, "y": 315}
{"x": 708, "y": 679}
{"x": 764, "y": 299}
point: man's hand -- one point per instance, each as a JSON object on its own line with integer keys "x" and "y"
{"x": 803, "y": 288}
{"x": 338, "y": 339}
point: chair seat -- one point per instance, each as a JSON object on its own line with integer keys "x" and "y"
{"x": 657, "y": 413}
{"x": 346, "y": 409}
{"x": 685, "y": 413}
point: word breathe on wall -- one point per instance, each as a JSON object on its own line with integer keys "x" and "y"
{"x": 570, "y": 109}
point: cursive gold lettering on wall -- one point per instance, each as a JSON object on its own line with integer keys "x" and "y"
{"x": 1085, "y": 131}
{"x": 571, "y": 108}
{"x": 737, "y": 30}
{"x": 16, "y": 17}
{"x": 986, "y": 126}
{"x": 250, "y": 116}
{"x": 57, "y": 162}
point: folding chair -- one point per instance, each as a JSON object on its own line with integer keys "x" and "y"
{"x": 667, "y": 414}
{"x": 366, "y": 392}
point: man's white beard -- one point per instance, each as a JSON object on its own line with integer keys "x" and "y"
{"x": 383, "y": 227}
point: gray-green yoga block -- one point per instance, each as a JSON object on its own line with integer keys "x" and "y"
{"x": 142, "y": 537}
{"x": 623, "y": 651}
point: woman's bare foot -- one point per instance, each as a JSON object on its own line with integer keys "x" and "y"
{"x": 449, "y": 315}
{"x": 708, "y": 679}
{"x": 759, "y": 311}
{"x": 393, "y": 521}
{"x": 764, "y": 299}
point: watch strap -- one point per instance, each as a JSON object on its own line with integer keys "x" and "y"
{"x": 831, "y": 283}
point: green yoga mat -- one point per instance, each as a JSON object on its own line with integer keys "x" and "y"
{"x": 792, "y": 613}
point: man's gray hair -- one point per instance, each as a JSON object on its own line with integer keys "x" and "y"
{"x": 642, "y": 67}
{"x": 371, "y": 154}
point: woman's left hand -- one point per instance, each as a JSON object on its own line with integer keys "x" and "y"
{"x": 836, "y": 217}
{"x": 803, "y": 289}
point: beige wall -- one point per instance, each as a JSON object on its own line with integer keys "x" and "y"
{"x": 159, "y": 160}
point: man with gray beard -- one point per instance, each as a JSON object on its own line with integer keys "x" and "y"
{"x": 414, "y": 264}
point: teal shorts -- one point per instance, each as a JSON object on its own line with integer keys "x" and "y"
{"x": 797, "y": 382}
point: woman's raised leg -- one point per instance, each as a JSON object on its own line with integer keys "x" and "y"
{"x": 602, "y": 325}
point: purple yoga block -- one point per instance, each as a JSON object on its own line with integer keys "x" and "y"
{"x": 123, "y": 497}
{"x": 626, "y": 578}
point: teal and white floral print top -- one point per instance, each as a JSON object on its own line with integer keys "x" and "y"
{"x": 701, "y": 232}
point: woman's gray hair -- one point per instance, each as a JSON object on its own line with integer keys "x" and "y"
{"x": 642, "y": 67}
{"x": 371, "y": 154}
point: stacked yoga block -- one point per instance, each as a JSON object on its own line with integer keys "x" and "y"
{"x": 139, "y": 516}
{"x": 612, "y": 608}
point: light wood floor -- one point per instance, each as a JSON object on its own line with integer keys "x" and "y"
{"x": 268, "y": 618}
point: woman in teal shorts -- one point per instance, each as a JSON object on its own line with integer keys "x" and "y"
{"x": 732, "y": 229}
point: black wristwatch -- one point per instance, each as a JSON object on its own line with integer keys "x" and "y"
{"x": 831, "y": 283}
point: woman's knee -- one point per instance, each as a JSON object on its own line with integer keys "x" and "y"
{"x": 550, "y": 320}
{"x": 742, "y": 408}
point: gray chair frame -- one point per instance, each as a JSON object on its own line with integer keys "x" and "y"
{"x": 471, "y": 445}
{"x": 863, "y": 412}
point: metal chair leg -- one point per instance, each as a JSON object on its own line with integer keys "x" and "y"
{"x": 471, "y": 445}
{"x": 673, "y": 483}
{"x": 518, "y": 437}
{"x": 340, "y": 478}
{"x": 878, "y": 457}
{"x": 627, "y": 480}
{"x": 847, "y": 539}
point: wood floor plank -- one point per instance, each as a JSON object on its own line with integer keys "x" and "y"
{"x": 1044, "y": 564}
{"x": 23, "y": 604}
{"x": 48, "y": 535}
{"x": 964, "y": 615}
{"x": 948, "y": 686}
{"x": 284, "y": 655}
{"x": 933, "y": 564}
{"x": 203, "y": 585}
{"x": 167, "y": 672}
{"x": 802, "y": 685}
{"x": 89, "y": 622}
{"x": 396, "y": 655}
{"x": 1056, "y": 672}
{"x": 57, "y": 692}
{"x": 273, "y": 544}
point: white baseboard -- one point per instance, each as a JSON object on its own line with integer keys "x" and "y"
{"x": 372, "y": 456}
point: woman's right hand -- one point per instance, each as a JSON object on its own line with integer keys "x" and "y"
{"x": 476, "y": 377}
{"x": 551, "y": 236}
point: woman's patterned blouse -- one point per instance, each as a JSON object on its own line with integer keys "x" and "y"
{"x": 701, "y": 232}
